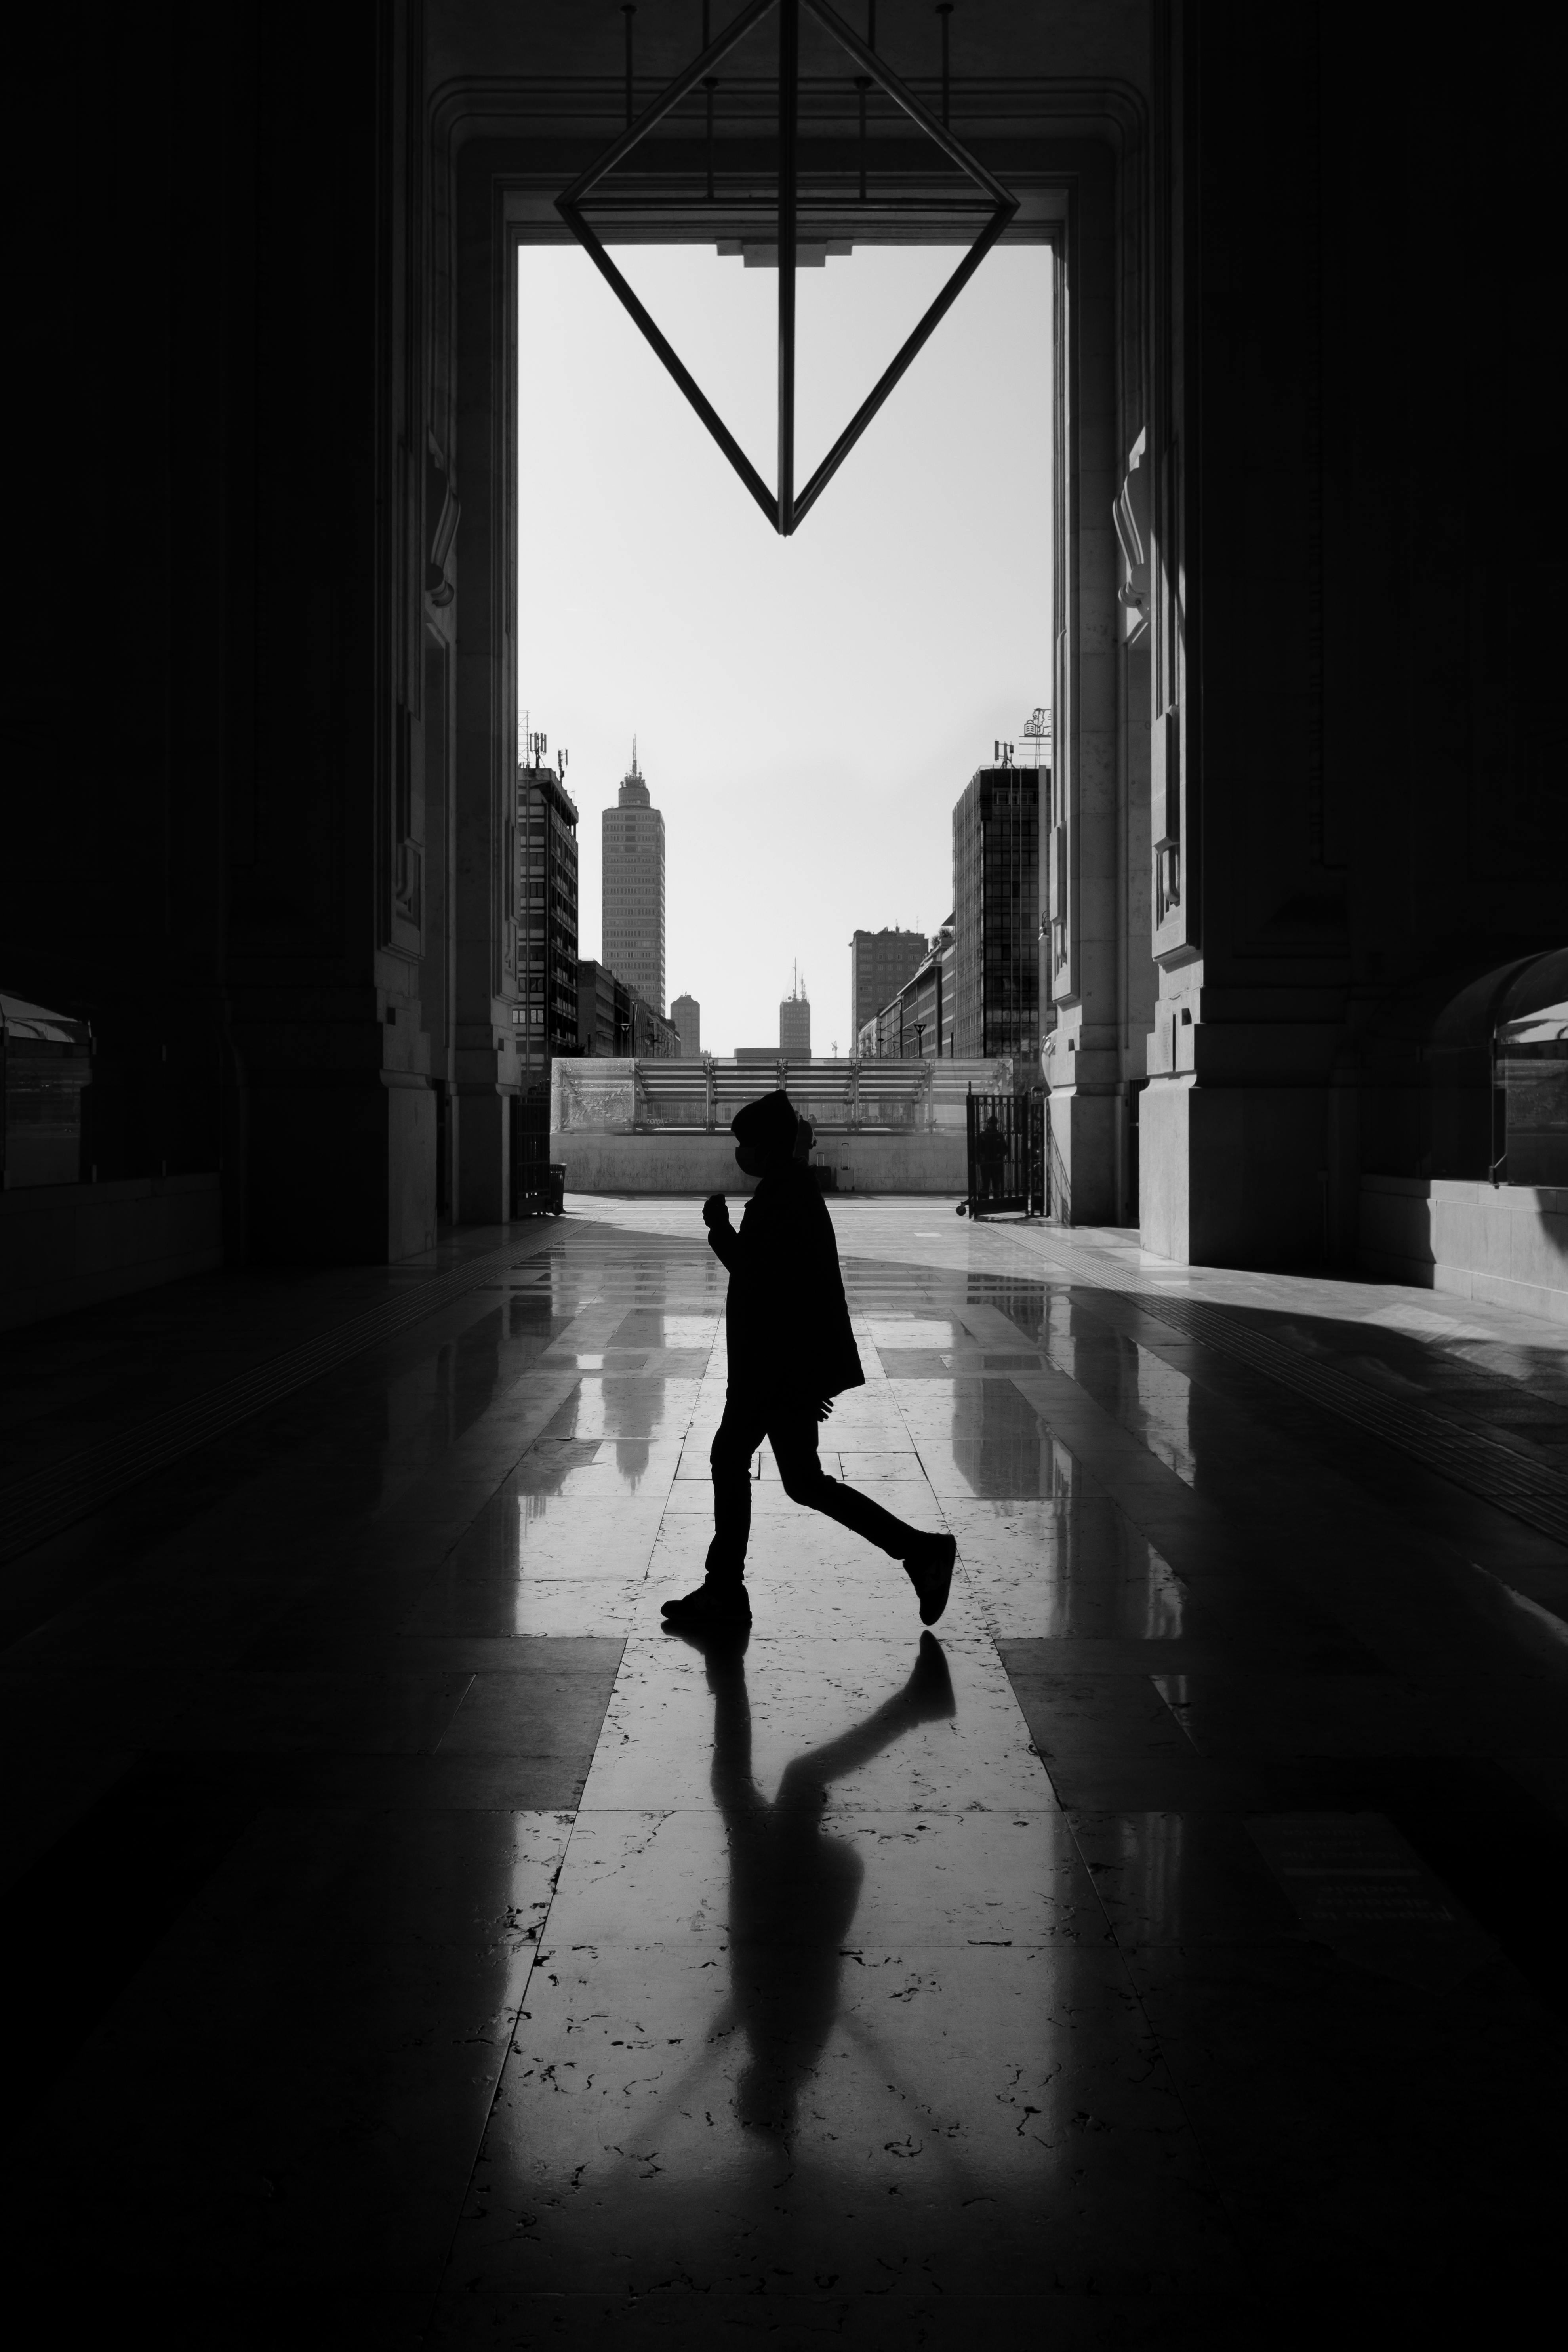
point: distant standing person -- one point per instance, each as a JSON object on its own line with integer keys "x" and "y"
{"x": 791, "y": 1353}
{"x": 991, "y": 1150}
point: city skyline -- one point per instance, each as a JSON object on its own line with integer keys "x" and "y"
{"x": 793, "y": 818}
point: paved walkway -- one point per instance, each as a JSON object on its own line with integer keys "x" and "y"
{"x": 415, "y": 1945}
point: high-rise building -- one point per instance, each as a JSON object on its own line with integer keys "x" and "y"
{"x": 604, "y": 1010}
{"x": 633, "y": 931}
{"x": 917, "y": 1022}
{"x": 880, "y": 963}
{"x": 546, "y": 1018}
{"x": 687, "y": 1015}
{"x": 795, "y": 1021}
{"x": 612, "y": 1019}
{"x": 654, "y": 1036}
{"x": 996, "y": 901}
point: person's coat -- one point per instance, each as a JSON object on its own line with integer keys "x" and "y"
{"x": 786, "y": 1319}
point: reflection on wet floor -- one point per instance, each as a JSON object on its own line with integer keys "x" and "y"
{"x": 599, "y": 1988}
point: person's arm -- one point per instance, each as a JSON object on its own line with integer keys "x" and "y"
{"x": 723, "y": 1238}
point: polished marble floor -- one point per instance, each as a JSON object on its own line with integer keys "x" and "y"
{"x": 411, "y": 1943}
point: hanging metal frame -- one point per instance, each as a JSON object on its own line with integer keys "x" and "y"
{"x": 786, "y": 508}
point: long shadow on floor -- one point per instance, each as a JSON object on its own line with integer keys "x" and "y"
{"x": 793, "y": 1889}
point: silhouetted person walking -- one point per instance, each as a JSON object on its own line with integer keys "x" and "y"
{"x": 791, "y": 1353}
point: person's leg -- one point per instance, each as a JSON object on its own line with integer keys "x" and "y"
{"x": 929, "y": 1559}
{"x": 741, "y": 1432}
{"x": 720, "y": 1601}
{"x": 791, "y": 1433}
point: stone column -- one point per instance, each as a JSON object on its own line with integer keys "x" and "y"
{"x": 484, "y": 885}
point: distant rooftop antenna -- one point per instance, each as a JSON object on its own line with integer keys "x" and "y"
{"x": 531, "y": 747}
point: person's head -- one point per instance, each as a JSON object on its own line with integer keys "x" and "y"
{"x": 764, "y": 1133}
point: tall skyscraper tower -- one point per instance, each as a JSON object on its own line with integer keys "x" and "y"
{"x": 795, "y": 1021}
{"x": 633, "y": 931}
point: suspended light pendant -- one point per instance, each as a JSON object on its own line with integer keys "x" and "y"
{"x": 784, "y": 507}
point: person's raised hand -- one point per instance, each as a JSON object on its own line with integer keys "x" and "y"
{"x": 715, "y": 1210}
{"x": 825, "y": 1406}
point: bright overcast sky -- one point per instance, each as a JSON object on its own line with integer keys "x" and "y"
{"x": 807, "y": 709}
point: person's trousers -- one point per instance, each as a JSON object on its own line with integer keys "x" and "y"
{"x": 790, "y": 1428}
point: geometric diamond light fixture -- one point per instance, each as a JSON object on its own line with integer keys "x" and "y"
{"x": 784, "y": 506}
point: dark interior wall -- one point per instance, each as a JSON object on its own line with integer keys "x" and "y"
{"x": 112, "y": 899}
{"x": 215, "y": 486}
{"x": 1445, "y": 325}
{"x": 1377, "y": 297}
{"x": 1446, "y": 318}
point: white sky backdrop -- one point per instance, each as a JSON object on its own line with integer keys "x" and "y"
{"x": 806, "y": 710}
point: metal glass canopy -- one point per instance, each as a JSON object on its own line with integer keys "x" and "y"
{"x": 786, "y": 506}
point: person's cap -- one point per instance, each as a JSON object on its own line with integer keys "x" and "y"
{"x": 767, "y": 1125}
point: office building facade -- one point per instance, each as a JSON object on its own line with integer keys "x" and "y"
{"x": 613, "y": 1020}
{"x": 996, "y": 905}
{"x": 687, "y": 1014}
{"x": 604, "y": 1010}
{"x": 794, "y": 1022}
{"x": 545, "y": 1019}
{"x": 632, "y": 937}
{"x": 917, "y": 1022}
{"x": 880, "y": 963}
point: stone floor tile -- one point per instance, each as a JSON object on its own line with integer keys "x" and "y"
{"x": 238, "y": 1711}
{"x": 865, "y": 1721}
{"x": 1278, "y": 2048}
{"x": 538, "y": 1713}
{"x": 936, "y": 2118}
{"x": 632, "y": 1406}
{"x": 862, "y": 1881}
{"x": 326, "y": 2025}
{"x": 1181, "y": 1878}
{"x": 1325, "y": 1714}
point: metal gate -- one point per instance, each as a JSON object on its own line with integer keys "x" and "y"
{"x": 1007, "y": 1155}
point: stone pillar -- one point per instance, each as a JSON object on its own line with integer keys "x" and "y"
{"x": 1093, "y": 1048}
{"x": 1247, "y": 910}
{"x": 484, "y": 878}
{"x": 325, "y": 841}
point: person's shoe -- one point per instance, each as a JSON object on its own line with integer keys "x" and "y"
{"x": 930, "y": 1568}
{"x": 712, "y": 1606}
